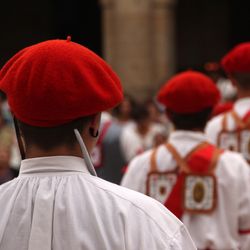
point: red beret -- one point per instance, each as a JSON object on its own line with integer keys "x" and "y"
{"x": 238, "y": 59}
{"x": 189, "y": 92}
{"x": 57, "y": 81}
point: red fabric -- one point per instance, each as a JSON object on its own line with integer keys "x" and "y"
{"x": 199, "y": 163}
{"x": 222, "y": 108}
{"x": 174, "y": 201}
{"x": 212, "y": 66}
{"x": 189, "y": 92}
{"x": 246, "y": 231}
{"x": 104, "y": 131}
{"x": 99, "y": 146}
{"x": 57, "y": 81}
{"x": 124, "y": 169}
{"x": 238, "y": 59}
{"x": 246, "y": 117}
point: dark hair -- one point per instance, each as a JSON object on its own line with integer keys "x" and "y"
{"x": 116, "y": 112}
{"x": 2, "y": 96}
{"x": 243, "y": 80}
{"x": 190, "y": 121}
{"x": 140, "y": 113}
{"x": 48, "y": 138}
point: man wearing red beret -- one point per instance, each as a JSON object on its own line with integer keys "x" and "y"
{"x": 231, "y": 130}
{"x": 207, "y": 188}
{"x": 56, "y": 91}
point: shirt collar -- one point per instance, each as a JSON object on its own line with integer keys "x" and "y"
{"x": 58, "y": 164}
{"x": 180, "y": 136}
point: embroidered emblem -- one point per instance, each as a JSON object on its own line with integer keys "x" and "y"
{"x": 199, "y": 193}
{"x": 160, "y": 185}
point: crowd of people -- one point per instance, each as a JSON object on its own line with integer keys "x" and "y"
{"x": 183, "y": 153}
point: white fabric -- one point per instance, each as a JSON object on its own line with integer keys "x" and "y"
{"x": 227, "y": 90}
{"x": 218, "y": 230}
{"x": 214, "y": 127}
{"x": 132, "y": 143}
{"x": 56, "y": 204}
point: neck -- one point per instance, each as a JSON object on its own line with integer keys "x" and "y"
{"x": 4, "y": 171}
{"x": 33, "y": 151}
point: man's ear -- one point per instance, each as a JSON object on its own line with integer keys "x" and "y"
{"x": 94, "y": 125}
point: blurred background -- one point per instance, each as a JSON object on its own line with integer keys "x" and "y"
{"x": 145, "y": 41}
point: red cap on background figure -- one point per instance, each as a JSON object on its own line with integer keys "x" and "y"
{"x": 57, "y": 81}
{"x": 238, "y": 59}
{"x": 189, "y": 92}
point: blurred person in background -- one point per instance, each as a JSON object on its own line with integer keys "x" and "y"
{"x": 227, "y": 89}
{"x": 232, "y": 129}
{"x": 205, "y": 187}
{"x": 7, "y": 137}
{"x": 158, "y": 117}
{"x": 107, "y": 156}
{"x": 142, "y": 135}
{"x": 122, "y": 114}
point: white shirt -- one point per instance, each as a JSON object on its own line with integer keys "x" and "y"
{"x": 214, "y": 127}
{"x": 218, "y": 230}
{"x": 132, "y": 143}
{"x": 56, "y": 204}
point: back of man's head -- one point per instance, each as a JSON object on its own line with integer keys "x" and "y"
{"x": 189, "y": 98}
{"x": 55, "y": 86}
{"x": 236, "y": 64}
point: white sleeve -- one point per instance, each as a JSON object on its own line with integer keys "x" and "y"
{"x": 213, "y": 129}
{"x": 244, "y": 207}
{"x": 158, "y": 229}
{"x": 182, "y": 240}
{"x": 130, "y": 146}
{"x": 136, "y": 175}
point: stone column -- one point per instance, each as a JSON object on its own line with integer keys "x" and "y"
{"x": 163, "y": 18}
{"x": 108, "y": 21}
{"x": 136, "y": 43}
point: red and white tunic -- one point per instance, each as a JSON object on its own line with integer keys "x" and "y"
{"x": 231, "y": 130}
{"x": 227, "y": 226}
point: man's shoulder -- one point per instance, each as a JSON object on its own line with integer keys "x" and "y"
{"x": 138, "y": 204}
{"x": 9, "y": 184}
{"x": 143, "y": 157}
{"x": 229, "y": 157}
{"x": 146, "y": 156}
{"x": 233, "y": 165}
{"x": 216, "y": 121}
{"x": 214, "y": 127}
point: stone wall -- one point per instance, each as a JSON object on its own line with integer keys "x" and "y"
{"x": 138, "y": 42}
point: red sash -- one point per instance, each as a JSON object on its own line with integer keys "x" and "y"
{"x": 202, "y": 160}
